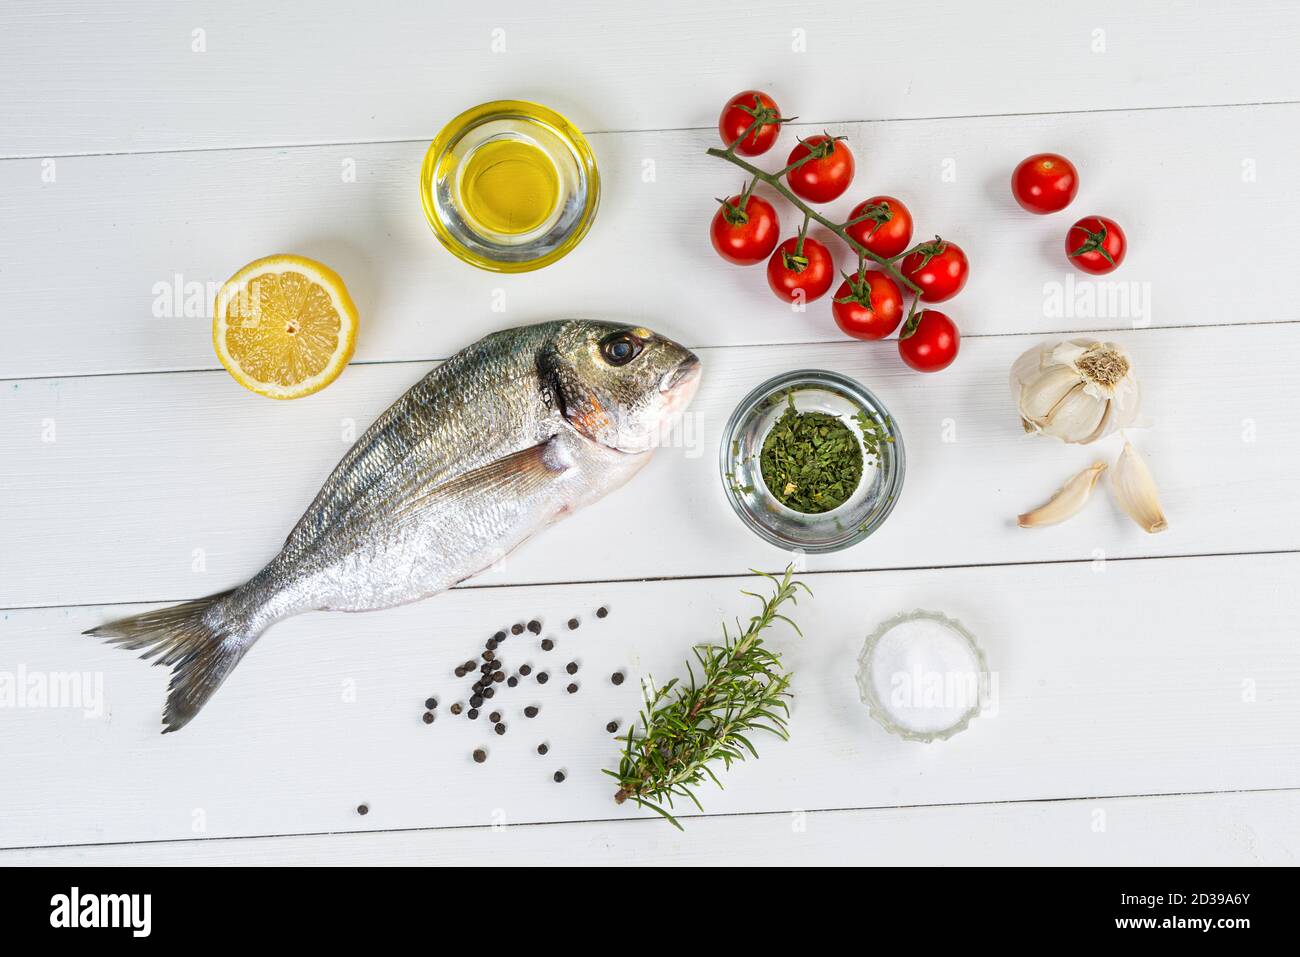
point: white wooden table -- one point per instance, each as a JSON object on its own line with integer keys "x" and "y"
{"x": 1149, "y": 706}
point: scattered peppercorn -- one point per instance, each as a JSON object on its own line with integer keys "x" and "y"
{"x": 490, "y": 644}
{"x": 530, "y": 711}
{"x": 489, "y": 655}
{"x": 559, "y": 776}
{"x": 475, "y": 701}
{"x": 494, "y": 717}
{"x": 547, "y": 644}
{"x": 512, "y": 681}
{"x": 480, "y": 755}
{"x": 498, "y": 676}
{"x": 457, "y": 708}
{"x": 617, "y": 677}
{"x": 489, "y": 692}
{"x": 431, "y": 703}
{"x": 499, "y": 636}
{"x": 612, "y": 727}
{"x": 571, "y": 667}
{"x": 500, "y": 728}
{"x": 525, "y": 670}
{"x": 573, "y": 623}
{"x": 363, "y": 809}
{"x": 572, "y": 689}
{"x": 602, "y": 611}
{"x": 516, "y": 629}
{"x": 542, "y": 677}
{"x": 542, "y": 748}
{"x": 428, "y": 717}
{"x": 460, "y": 672}
{"x": 535, "y": 626}
{"x": 472, "y": 714}
{"x": 469, "y": 666}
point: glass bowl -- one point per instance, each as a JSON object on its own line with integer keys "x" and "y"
{"x": 922, "y": 676}
{"x": 814, "y": 390}
{"x": 577, "y": 185}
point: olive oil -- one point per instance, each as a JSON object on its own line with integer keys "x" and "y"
{"x": 509, "y": 186}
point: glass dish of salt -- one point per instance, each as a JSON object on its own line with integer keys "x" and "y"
{"x": 922, "y": 676}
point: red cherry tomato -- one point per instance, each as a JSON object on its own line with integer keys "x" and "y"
{"x": 888, "y": 229}
{"x": 824, "y": 177}
{"x": 1044, "y": 183}
{"x": 746, "y": 234}
{"x": 800, "y": 276}
{"x": 739, "y": 115}
{"x": 868, "y": 308}
{"x": 1096, "y": 244}
{"x": 929, "y": 341}
{"x": 939, "y": 268}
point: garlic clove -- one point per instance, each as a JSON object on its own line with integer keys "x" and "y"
{"x": 1076, "y": 417}
{"x": 1069, "y": 498}
{"x": 1135, "y": 491}
{"x": 1045, "y": 392}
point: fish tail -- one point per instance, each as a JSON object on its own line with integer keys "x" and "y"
{"x": 200, "y": 639}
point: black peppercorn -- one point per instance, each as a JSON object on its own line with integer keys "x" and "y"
{"x": 469, "y": 666}
{"x": 542, "y": 677}
{"x": 573, "y": 623}
{"x": 571, "y": 667}
{"x": 530, "y": 711}
{"x": 547, "y": 644}
{"x": 602, "y": 611}
{"x": 500, "y": 728}
{"x": 494, "y": 717}
{"x": 612, "y": 727}
{"x": 535, "y": 626}
{"x": 428, "y": 717}
{"x": 475, "y": 701}
{"x": 431, "y": 703}
{"x": 480, "y": 755}
{"x": 363, "y": 809}
{"x": 617, "y": 677}
{"x": 512, "y": 681}
{"x": 525, "y": 670}
{"x": 516, "y": 629}
{"x": 572, "y": 689}
{"x": 460, "y": 672}
{"x": 542, "y": 748}
{"x": 489, "y": 655}
{"x": 457, "y": 708}
{"x": 489, "y": 692}
{"x": 472, "y": 714}
{"x": 558, "y": 776}
{"x": 499, "y": 676}
{"x": 490, "y": 644}
{"x": 499, "y": 636}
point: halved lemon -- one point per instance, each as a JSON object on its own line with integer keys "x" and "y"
{"x": 284, "y": 326}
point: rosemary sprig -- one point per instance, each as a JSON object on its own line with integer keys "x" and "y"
{"x": 741, "y": 688}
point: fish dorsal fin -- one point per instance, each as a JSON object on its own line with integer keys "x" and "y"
{"x": 515, "y": 476}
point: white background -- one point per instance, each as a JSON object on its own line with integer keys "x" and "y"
{"x": 1149, "y": 705}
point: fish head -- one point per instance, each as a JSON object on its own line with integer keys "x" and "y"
{"x": 621, "y": 386}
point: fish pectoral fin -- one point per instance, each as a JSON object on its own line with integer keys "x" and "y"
{"x": 515, "y": 475}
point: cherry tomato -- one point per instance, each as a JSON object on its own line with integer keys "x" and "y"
{"x": 929, "y": 341}
{"x": 939, "y": 268}
{"x": 888, "y": 229}
{"x": 1096, "y": 244}
{"x": 1044, "y": 183}
{"x": 746, "y": 234}
{"x": 789, "y": 271}
{"x": 739, "y": 115}
{"x": 824, "y": 177}
{"x": 868, "y": 308}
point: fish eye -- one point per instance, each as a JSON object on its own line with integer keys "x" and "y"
{"x": 621, "y": 348}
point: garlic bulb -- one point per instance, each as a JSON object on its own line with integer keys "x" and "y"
{"x": 1076, "y": 391}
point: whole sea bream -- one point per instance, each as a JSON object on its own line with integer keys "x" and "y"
{"x": 506, "y": 437}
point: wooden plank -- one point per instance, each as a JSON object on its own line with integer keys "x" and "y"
{"x": 113, "y": 266}
{"x": 1241, "y": 829}
{"x": 1167, "y": 676}
{"x": 83, "y": 78}
{"x": 174, "y": 486}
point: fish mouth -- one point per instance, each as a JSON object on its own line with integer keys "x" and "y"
{"x": 687, "y": 374}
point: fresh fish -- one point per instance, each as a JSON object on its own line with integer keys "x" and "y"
{"x": 504, "y": 438}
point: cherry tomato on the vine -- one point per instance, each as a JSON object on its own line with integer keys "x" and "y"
{"x": 1096, "y": 244}
{"x": 800, "y": 275}
{"x": 887, "y": 228}
{"x": 929, "y": 341}
{"x": 826, "y": 175}
{"x": 745, "y": 230}
{"x": 1044, "y": 183}
{"x": 868, "y": 308}
{"x": 939, "y": 268}
{"x": 739, "y": 115}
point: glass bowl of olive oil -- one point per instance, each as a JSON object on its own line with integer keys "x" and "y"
{"x": 812, "y": 461}
{"x": 510, "y": 186}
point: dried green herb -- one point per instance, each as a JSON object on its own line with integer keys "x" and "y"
{"x": 741, "y": 688}
{"x": 812, "y": 461}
